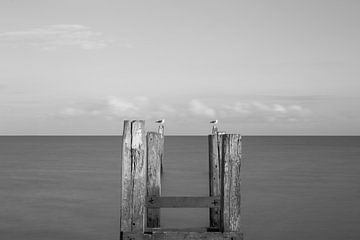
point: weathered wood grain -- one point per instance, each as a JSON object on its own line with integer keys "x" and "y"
{"x": 231, "y": 198}
{"x": 155, "y": 148}
{"x": 161, "y": 131}
{"x": 215, "y": 163}
{"x": 161, "y": 235}
{"x": 183, "y": 202}
{"x": 126, "y": 179}
{"x": 133, "y": 176}
{"x": 138, "y": 148}
{"x": 196, "y": 229}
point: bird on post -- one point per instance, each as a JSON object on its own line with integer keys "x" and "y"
{"x": 214, "y": 127}
{"x": 161, "y": 126}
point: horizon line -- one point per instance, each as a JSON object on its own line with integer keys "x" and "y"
{"x": 172, "y": 135}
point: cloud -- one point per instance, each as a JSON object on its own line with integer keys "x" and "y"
{"x": 198, "y": 108}
{"x": 265, "y": 111}
{"x": 109, "y": 107}
{"x": 165, "y": 108}
{"x": 55, "y": 36}
{"x": 142, "y": 100}
{"x": 120, "y": 107}
{"x": 113, "y": 107}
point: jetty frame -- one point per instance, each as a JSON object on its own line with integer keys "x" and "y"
{"x": 141, "y": 201}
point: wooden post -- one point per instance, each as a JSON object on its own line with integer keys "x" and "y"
{"x": 161, "y": 131}
{"x": 155, "y": 148}
{"x": 133, "y": 176}
{"x": 230, "y": 183}
{"x": 215, "y": 164}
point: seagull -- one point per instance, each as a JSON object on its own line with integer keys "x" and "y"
{"x": 161, "y": 121}
{"x": 161, "y": 126}
{"x": 214, "y": 128}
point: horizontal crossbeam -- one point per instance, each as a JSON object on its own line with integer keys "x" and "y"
{"x": 182, "y": 236}
{"x": 182, "y": 202}
{"x": 198, "y": 229}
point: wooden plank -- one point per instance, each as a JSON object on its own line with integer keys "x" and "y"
{"x": 231, "y": 198}
{"x": 126, "y": 179}
{"x": 197, "y": 229}
{"x": 182, "y": 236}
{"x": 135, "y": 236}
{"x": 138, "y": 148}
{"x": 215, "y": 163}
{"x": 133, "y": 176}
{"x": 155, "y": 146}
{"x": 183, "y": 202}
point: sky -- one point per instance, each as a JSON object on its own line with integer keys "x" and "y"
{"x": 261, "y": 67}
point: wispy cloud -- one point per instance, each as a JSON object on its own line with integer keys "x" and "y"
{"x": 141, "y": 107}
{"x": 109, "y": 107}
{"x": 55, "y": 36}
{"x": 265, "y": 111}
{"x": 198, "y": 108}
{"x": 113, "y": 107}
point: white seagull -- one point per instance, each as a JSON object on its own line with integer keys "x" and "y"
{"x": 161, "y": 126}
{"x": 214, "y": 128}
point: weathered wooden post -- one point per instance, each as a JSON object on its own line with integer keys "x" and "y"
{"x": 155, "y": 148}
{"x": 230, "y": 183}
{"x": 134, "y": 169}
{"x": 215, "y": 163}
{"x": 224, "y": 180}
{"x": 161, "y": 131}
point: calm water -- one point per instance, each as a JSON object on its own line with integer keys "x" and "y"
{"x": 69, "y": 187}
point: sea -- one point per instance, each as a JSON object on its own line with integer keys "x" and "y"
{"x": 68, "y": 187}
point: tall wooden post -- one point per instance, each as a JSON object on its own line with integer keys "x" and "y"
{"x": 230, "y": 183}
{"x": 224, "y": 180}
{"x": 155, "y": 148}
{"x": 215, "y": 164}
{"x": 133, "y": 176}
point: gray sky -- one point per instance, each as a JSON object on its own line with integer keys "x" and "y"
{"x": 260, "y": 67}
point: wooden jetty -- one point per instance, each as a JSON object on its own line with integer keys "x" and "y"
{"x": 142, "y": 156}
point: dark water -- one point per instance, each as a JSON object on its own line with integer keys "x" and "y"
{"x": 69, "y": 187}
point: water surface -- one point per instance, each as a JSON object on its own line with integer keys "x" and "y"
{"x": 69, "y": 187}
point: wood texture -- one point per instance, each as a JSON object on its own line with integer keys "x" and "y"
{"x": 231, "y": 198}
{"x": 155, "y": 148}
{"x": 183, "y": 202}
{"x": 133, "y": 176}
{"x": 161, "y": 131}
{"x": 215, "y": 163}
{"x": 126, "y": 181}
{"x": 161, "y": 235}
{"x": 196, "y": 229}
